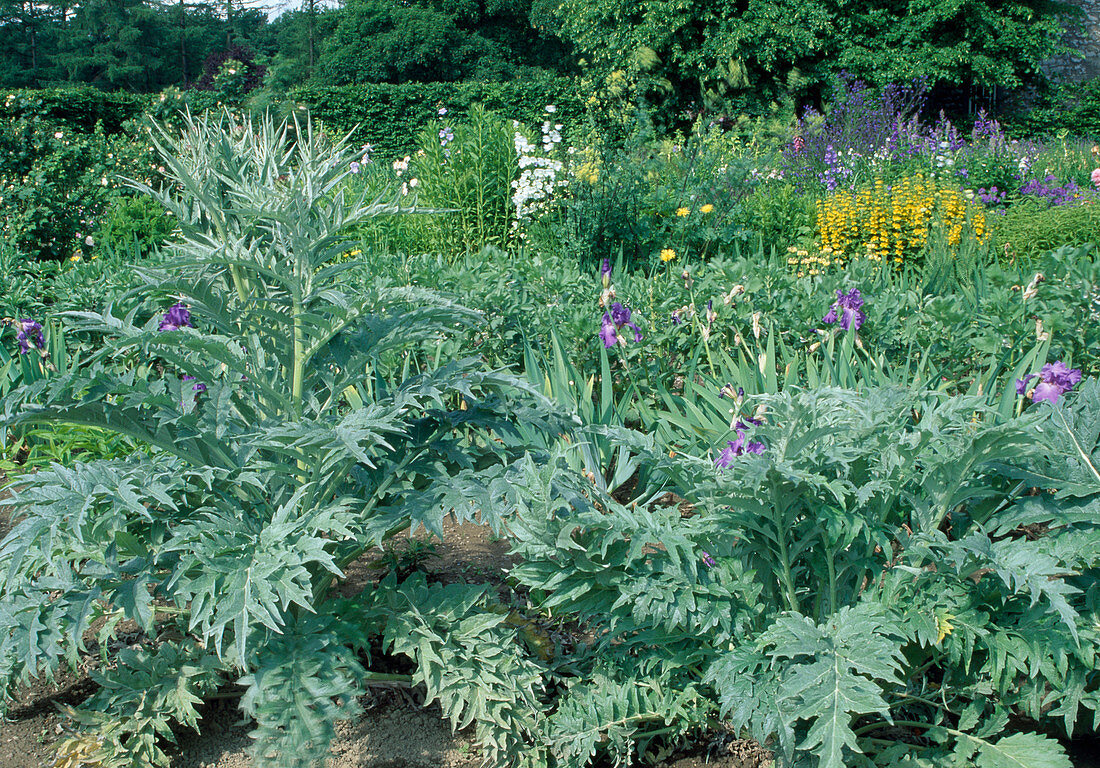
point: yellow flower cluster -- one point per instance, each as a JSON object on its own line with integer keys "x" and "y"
{"x": 808, "y": 263}
{"x": 883, "y": 224}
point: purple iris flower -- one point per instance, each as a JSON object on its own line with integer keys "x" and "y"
{"x": 617, "y": 318}
{"x": 1060, "y": 375}
{"x": 620, "y": 314}
{"x": 605, "y": 272}
{"x": 199, "y": 386}
{"x": 30, "y": 332}
{"x": 738, "y": 447}
{"x": 608, "y": 335}
{"x": 1046, "y": 390}
{"x": 178, "y": 316}
{"x": 709, "y": 561}
{"x": 847, "y": 309}
{"x": 1055, "y": 379}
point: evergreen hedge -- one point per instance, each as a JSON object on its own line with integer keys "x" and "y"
{"x": 388, "y": 117}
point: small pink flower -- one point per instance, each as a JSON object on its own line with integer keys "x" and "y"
{"x": 1095, "y": 176}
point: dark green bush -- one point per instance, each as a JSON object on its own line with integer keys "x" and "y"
{"x": 56, "y": 182}
{"x": 1071, "y": 107}
{"x": 75, "y": 108}
{"x": 133, "y": 222}
{"x": 391, "y": 117}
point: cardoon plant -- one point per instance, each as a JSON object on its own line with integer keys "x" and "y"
{"x": 283, "y": 445}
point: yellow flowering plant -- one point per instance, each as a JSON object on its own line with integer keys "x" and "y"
{"x": 892, "y": 223}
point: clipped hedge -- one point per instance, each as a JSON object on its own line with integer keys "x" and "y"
{"x": 75, "y": 108}
{"x": 387, "y": 116}
{"x": 390, "y": 117}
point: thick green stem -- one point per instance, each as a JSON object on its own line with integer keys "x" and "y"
{"x": 831, "y": 566}
{"x": 385, "y": 677}
{"x": 299, "y": 359}
{"x": 784, "y": 554}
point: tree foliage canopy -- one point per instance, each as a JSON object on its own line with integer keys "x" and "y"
{"x": 705, "y": 50}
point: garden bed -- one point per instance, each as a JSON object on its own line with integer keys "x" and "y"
{"x": 395, "y": 730}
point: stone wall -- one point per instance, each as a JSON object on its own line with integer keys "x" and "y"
{"x": 1083, "y": 38}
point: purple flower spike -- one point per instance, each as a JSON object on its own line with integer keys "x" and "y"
{"x": 847, "y": 310}
{"x": 30, "y": 333}
{"x": 725, "y": 458}
{"x": 178, "y": 316}
{"x": 618, "y": 317}
{"x": 709, "y": 561}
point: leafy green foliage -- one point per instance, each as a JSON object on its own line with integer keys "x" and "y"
{"x": 913, "y": 591}
{"x": 468, "y": 658}
{"x": 1030, "y": 229}
{"x": 797, "y": 670}
{"x": 57, "y": 182}
{"x": 390, "y": 117}
{"x": 309, "y": 670}
{"x": 304, "y": 445}
{"x": 746, "y": 54}
{"x": 467, "y": 172}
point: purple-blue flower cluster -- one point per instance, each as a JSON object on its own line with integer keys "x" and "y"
{"x": 847, "y": 310}
{"x": 1053, "y": 192}
{"x": 1055, "y": 379}
{"x": 618, "y": 317}
{"x": 30, "y": 333}
{"x": 178, "y": 316}
{"x": 861, "y": 123}
{"x": 992, "y": 196}
{"x": 739, "y": 447}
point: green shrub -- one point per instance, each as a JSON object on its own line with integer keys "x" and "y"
{"x": 288, "y": 432}
{"x": 55, "y": 183}
{"x": 74, "y": 108}
{"x": 647, "y": 200}
{"x": 390, "y": 117}
{"x": 1070, "y": 107}
{"x": 778, "y": 215}
{"x": 468, "y": 169}
{"x": 133, "y": 222}
{"x": 1031, "y": 227}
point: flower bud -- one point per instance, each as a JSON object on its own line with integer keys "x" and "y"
{"x": 1033, "y": 287}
